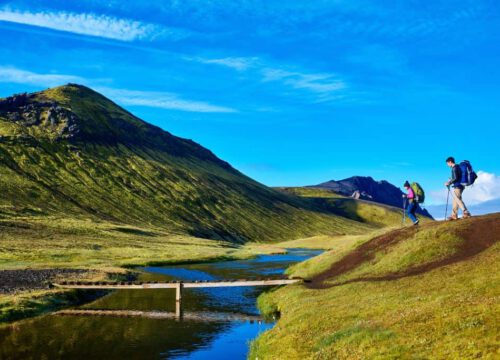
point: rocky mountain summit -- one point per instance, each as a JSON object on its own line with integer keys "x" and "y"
{"x": 26, "y": 110}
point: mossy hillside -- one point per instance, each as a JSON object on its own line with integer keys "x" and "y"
{"x": 447, "y": 309}
{"x": 110, "y": 165}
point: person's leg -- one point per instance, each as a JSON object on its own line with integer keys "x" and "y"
{"x": 460, "y": 202}
{"x": 414, "y": 211}
{"x": 454, "y": 210}
{"x": 411, "y": 211}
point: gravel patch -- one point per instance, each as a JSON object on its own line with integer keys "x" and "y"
{"x": 19, "y": 280}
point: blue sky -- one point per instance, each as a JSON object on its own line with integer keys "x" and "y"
{"x": 290, "y": 93}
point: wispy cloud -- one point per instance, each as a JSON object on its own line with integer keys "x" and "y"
{"x": 90, "y": 24}
{"x": 320, "y": 20}
{"x": 236, "y": 63}
{"x": 326, "y": 86}
{"x": 162, "y": 100}
{"x": 19, "y": 76}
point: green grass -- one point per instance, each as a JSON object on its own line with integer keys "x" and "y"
{"x": 336, "y": 246}
{"x": 48, "y": 242}
{"x": 450, "y": 311}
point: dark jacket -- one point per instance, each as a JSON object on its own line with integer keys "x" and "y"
{"x": 456, "y": 176}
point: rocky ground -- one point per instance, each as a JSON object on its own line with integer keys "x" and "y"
{"x": 19, "y": 280}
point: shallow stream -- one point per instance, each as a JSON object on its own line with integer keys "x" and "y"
{"x": 218, "y": 323}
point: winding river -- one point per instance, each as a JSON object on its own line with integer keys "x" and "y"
{"x": 218, "y": 323}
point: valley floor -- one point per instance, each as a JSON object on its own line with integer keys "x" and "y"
{"x": 35, "y": 251}
{"x": 413, "y": 293}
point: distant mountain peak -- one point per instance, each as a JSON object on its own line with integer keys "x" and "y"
{"x": 367, "y": 188}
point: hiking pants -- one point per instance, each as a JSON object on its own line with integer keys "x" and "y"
{"x": 410, "y": 209}
{"x": 457, "y": 202}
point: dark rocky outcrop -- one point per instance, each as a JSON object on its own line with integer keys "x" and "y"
{"x": 366, "y": 188}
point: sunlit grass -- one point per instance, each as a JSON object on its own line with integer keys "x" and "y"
{"x": 46, "y": 242}
{"x": 449, "y": 312}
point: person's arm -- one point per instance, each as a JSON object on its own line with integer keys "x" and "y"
{"x": 454, "y": 176}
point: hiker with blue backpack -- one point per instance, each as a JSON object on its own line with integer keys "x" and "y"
{"x": 462, "y": 175}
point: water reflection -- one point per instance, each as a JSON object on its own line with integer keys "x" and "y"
{"x": 151, "y": 333}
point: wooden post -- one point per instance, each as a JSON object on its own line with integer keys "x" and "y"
{"x": 178, "y": 291}
{"x": 178, "y": 310}
{"x": 178, "y": 300}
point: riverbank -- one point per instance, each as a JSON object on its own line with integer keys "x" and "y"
{"x": 45, "y": 242}
{"x": 216, "y": 322}
{"x": 37, "y": 251}
{"x": 27, "y": 293}
{"x": 431, "y": 292}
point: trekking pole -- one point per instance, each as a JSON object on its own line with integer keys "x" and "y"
{"x": 404, "y": 211}
{"x": 447, "y": 200}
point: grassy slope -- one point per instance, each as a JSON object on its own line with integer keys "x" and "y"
{"x": 52, "y": 242}
{"x": 120, "y": 169}
{"x": 367, "y": 212}
{"x": 426, "y": 293}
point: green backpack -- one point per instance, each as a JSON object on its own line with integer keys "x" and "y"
{"x": 419, "y": 192}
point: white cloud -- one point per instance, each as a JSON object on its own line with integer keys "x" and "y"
{"x": 485, "y": 188}
{"x": 163, "y": 100}
{"x": 88, "y": 24}
{"x": 237, "y": 63}
{"x": 323, "y": 84}
{"x": 18, "y": 76}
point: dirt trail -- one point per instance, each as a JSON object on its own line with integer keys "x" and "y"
{"x": 479, "y": 233}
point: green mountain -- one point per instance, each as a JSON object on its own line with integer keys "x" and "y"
{"x": 69, "y": 151}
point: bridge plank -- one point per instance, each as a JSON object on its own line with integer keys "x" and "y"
{"x": 175, "y": 284}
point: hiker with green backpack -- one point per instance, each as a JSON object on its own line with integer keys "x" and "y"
{"x": 415, "y": 195}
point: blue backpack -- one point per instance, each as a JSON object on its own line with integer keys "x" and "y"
{"x": 468, "y": 174}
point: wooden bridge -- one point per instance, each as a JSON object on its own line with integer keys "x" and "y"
{"x": 177, "y": 285}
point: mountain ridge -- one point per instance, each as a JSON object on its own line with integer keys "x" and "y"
{"x": 367, "y": 188}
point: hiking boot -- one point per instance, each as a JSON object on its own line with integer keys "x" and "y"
{"x": 466, "y": 214}
{"x": 453, "y": 217}
{"x": 416, "y": 223}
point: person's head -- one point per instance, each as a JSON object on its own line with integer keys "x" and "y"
{"x": 450, "y": 161}
{"x": 406, "y": 185}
